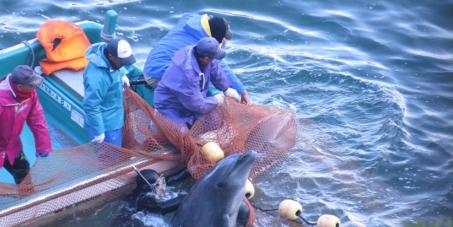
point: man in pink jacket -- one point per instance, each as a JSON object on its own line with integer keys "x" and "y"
{"x": 19, "y": 103}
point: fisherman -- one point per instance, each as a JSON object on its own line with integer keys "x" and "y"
{"x": 19, "y": 103}
{"x": 103, "y": 81}
{"x": 181, "y": 95}
{"x": 188, "y": 31}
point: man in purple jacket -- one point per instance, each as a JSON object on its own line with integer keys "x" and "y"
{"x": 191, "y": 27}
{"x": 181, "y": 95}
{"x": 19, "y": 104}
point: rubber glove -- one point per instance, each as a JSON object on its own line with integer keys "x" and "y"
{"x": 43, "y": 155}
{"x": 220, "y": 98}
{"x": 232, "y": 93}
{"x": 125, "y": 81}
{"x": 99, "y": 138}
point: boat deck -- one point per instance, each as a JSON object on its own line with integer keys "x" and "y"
{"x": 72, "y": 80}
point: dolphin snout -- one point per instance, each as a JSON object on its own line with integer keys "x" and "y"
{"x": 250, "y": 155}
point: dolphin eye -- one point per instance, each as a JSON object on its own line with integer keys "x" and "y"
{"x": 220, "y": 184}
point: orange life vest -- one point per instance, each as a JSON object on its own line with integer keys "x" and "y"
{"x": 65, "y": 44}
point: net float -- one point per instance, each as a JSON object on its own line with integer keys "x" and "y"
{"x": 212, "y": 151}
{"x": 328, "y": 220}
{"x": 290, "y": 209}
{"x": 249, "y": 189}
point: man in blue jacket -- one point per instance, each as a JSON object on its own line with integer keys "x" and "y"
{"x": 181, "y": 95}
{"x": 103, "y": 81}
{"x": 189, "y": 30}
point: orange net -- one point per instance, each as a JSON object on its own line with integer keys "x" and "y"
{"x": 235, "y": 127}
{"x": 80, "y": 178}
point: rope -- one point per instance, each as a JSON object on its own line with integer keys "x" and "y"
{"x": 32, "y": 54}
{"x": 308, "y": 223}
{"x": 261, "y": 209}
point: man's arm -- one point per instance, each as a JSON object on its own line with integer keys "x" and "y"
{"x": 95, "y": 90}
{"x": 188, "y": 91}
{"x": 178, "y": 176}
{"x": 235, "y": 83}
{"x": 37, "y": 123}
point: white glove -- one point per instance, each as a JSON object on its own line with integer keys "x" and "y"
{"x": 99, "y": 138}
{"x": 125, "y": 80}
{"x": 220, "y": 98}
{"x": 232, "y": 93}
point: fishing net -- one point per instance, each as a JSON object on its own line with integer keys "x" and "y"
{"x": 80, "y": 178}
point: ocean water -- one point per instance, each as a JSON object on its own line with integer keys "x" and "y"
{"x": 371, "y": 83}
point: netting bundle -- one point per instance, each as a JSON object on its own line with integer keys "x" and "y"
{"x": 235, "y": 127}
{"x": 80, "y": 178}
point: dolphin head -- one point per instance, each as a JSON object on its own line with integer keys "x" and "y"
{"x": 231, "y": 170}
{"x": 217, "y": 196}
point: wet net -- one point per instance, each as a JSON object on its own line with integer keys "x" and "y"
{"x": 84, "y": 177}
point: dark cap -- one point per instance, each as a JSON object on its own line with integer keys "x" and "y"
{"x": 121, "y": 49}
{"x": 23, "y": 74}
{"x": 209, "y": 47}
{"x": 220, "y": 28}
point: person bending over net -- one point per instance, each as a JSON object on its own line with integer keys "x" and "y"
{"x": 182, "y": 93}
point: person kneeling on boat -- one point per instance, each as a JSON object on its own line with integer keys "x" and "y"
{"x": 181, "y": 95}
{"x": 103, "y": 81}
{"x": 19, "y": 103}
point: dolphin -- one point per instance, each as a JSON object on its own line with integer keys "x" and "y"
{"x": 216, "y": 198}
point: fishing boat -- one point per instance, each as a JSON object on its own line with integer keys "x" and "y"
{"x": 61, "y": 96}
{"x": 153, "y": 141}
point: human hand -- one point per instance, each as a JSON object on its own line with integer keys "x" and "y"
{"x": 125, "y": 81}
{"x": 245, "y": 98}
{"x": 224, "y": 41}
{"x": 232, "y": 93}
{"x": 43, "y": 155}
{"x": 220, "y": 98}
{"x": 99, "y": 138}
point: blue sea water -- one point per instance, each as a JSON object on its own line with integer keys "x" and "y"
{"x": 371, "y": 83}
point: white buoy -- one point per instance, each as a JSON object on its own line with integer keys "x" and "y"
{"x": 212, "y": 151}
{"x": 327, "y": 220}
{"x": 249, "y": 189}
{"x": 290, "y": 209}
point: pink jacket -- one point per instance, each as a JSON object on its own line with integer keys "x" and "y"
{"x": 12, "y": 118}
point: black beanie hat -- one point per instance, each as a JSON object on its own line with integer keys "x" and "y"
{"x": 149, "y": 174}
{"x": 220, "y": 29}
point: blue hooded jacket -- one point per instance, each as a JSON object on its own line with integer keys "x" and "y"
{"x": 181, "y": 95}
{"x": 188, "y": 31}
{"x": 103, "y": 92}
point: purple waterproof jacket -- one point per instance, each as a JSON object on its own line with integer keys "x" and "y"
{"x": 181, "y": 95}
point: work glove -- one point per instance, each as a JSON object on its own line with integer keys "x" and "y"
{"x": 232, "y": 93}
{"x": 43, "y": 155}
{"x": 220, "y": 98}
{"x": 99, "y": 138}
{"x": 125, "y": 81}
